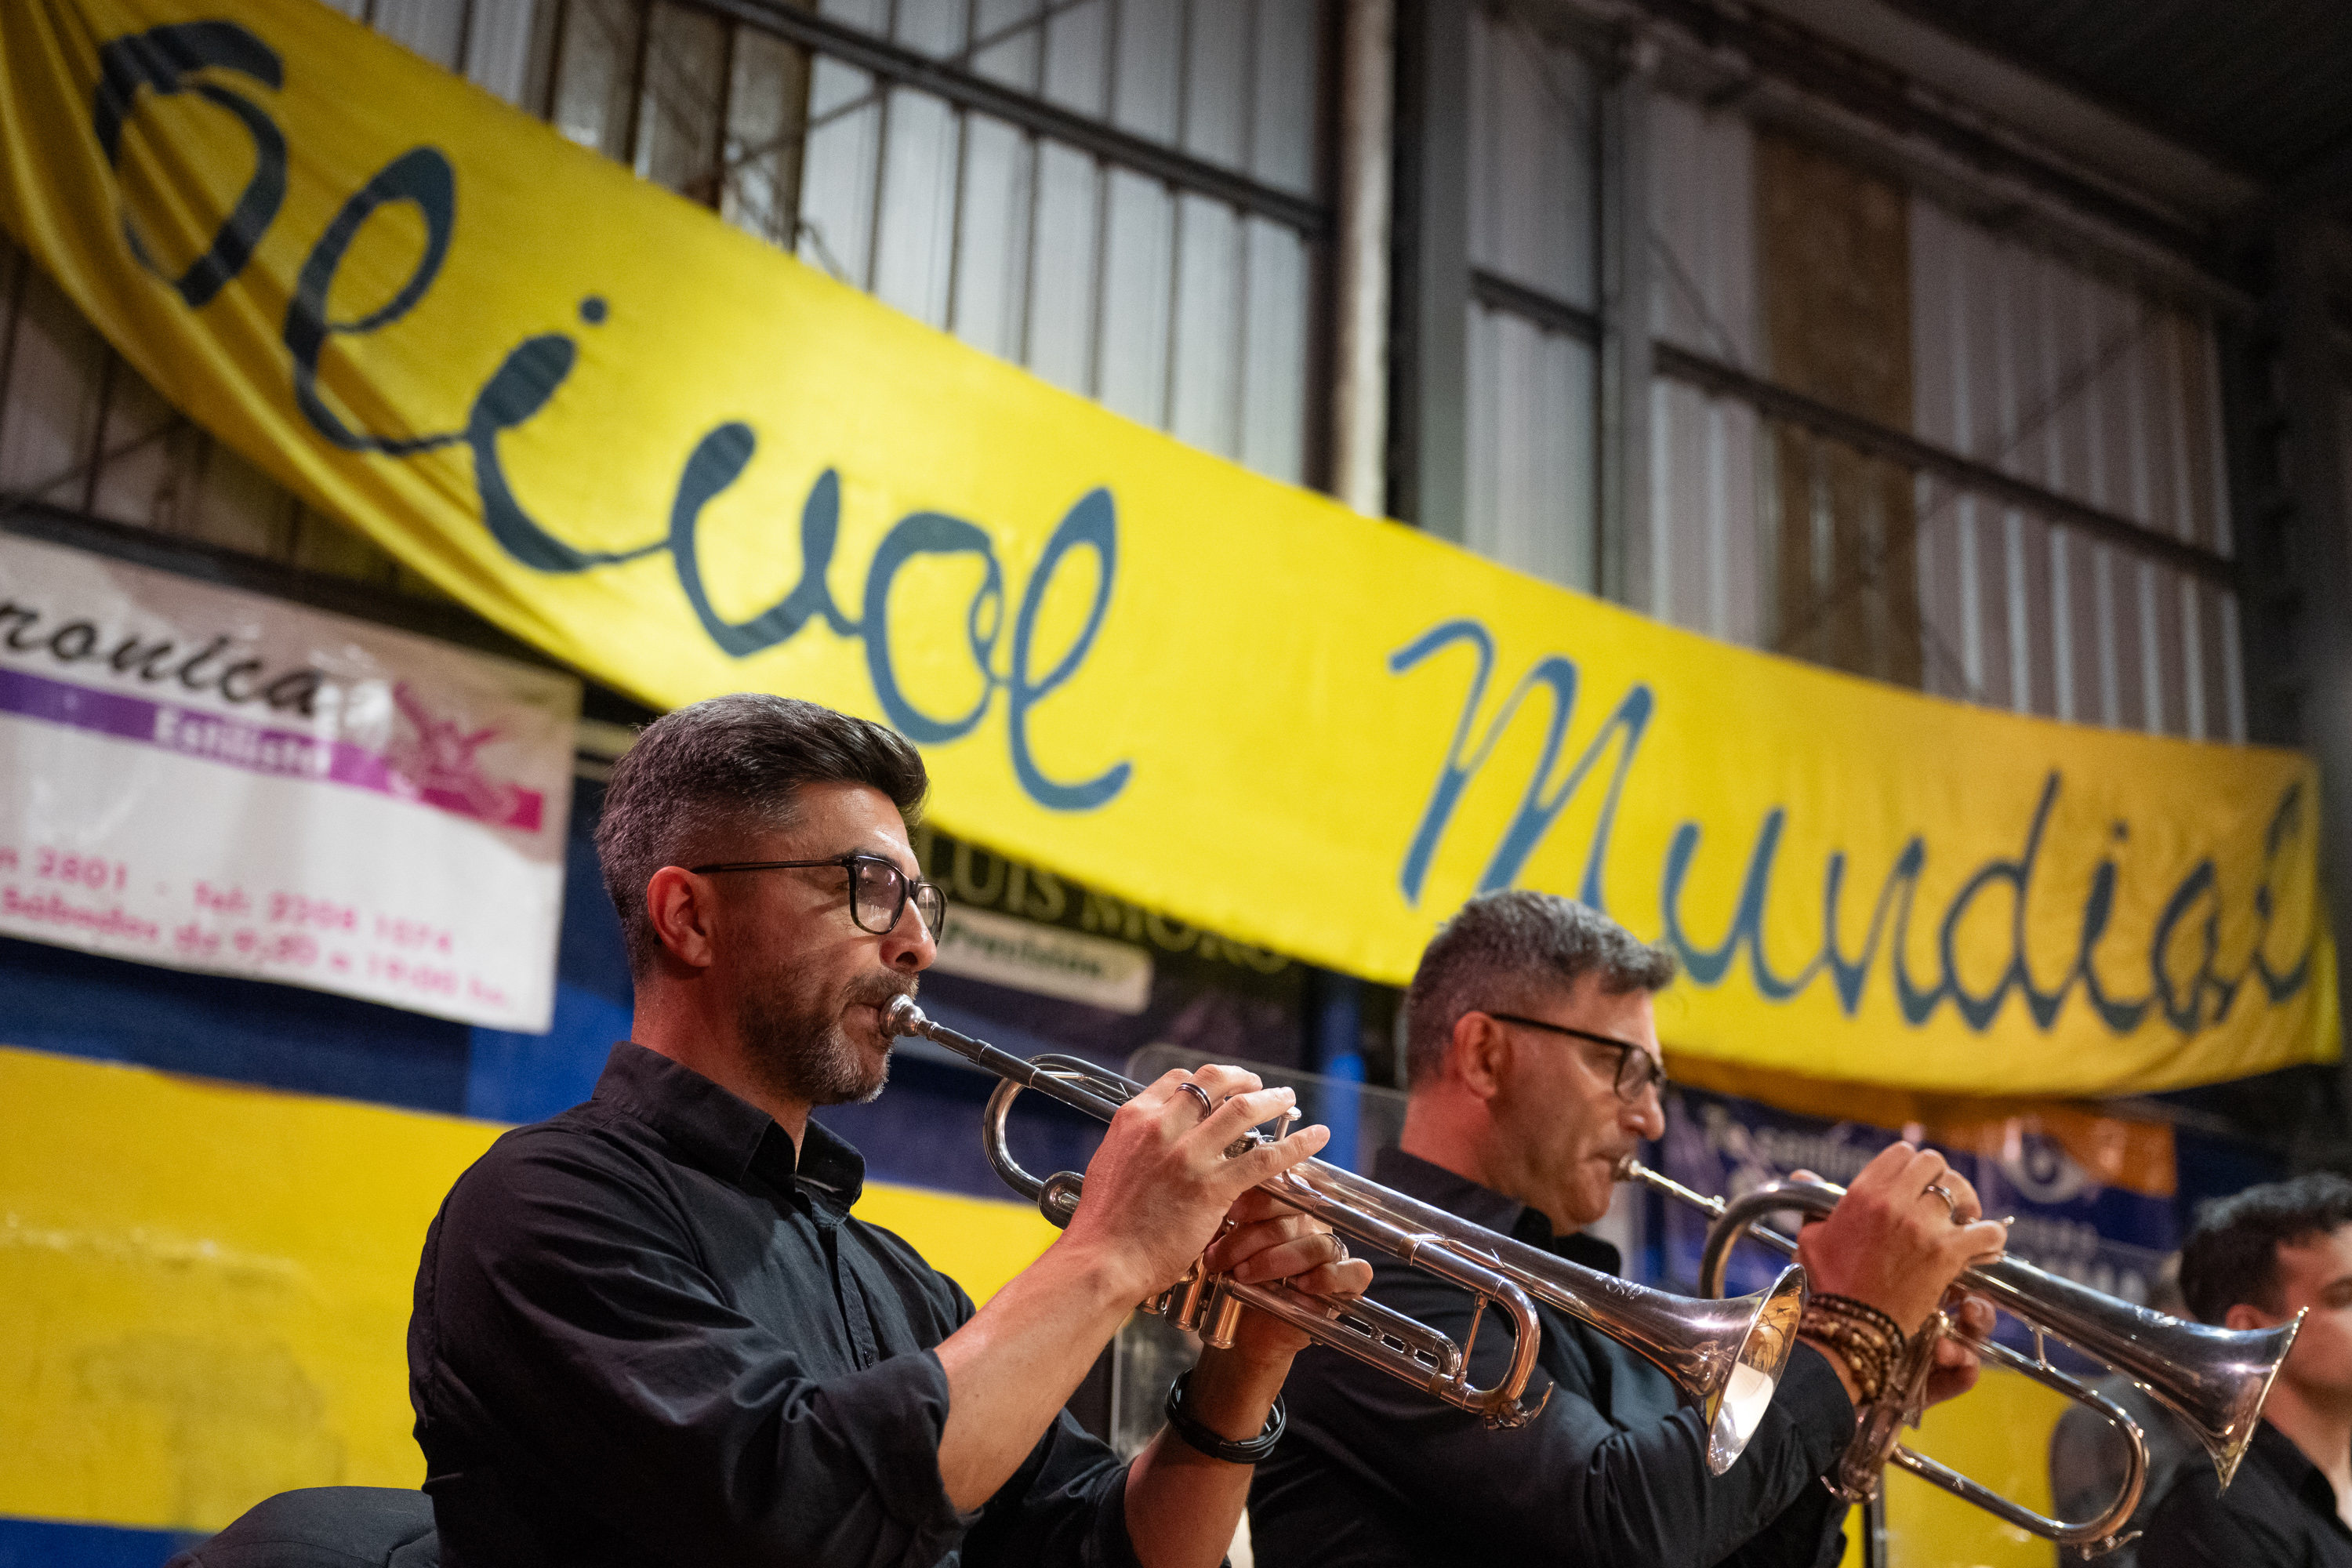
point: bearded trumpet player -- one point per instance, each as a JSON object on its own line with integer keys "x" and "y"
{"x": 650, "y": 1330}
{"x": 1534, "y": 1070}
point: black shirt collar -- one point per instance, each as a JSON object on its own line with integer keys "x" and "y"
{"x": 2276, "y": 1452}
{"x": 723, "y": 1134}
{"x": 1458, "y": 1195}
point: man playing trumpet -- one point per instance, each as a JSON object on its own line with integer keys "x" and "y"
{"x": 652, "y": 1330}
{"x": 1534, "y": 1072}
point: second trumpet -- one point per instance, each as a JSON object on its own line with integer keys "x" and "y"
{"x": 1726, "y": 1357}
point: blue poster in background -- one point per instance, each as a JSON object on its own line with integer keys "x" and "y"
{"x": 2085, "y": 1205}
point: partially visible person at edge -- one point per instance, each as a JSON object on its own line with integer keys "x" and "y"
{"x": 652, "y": 1330}
{"x": 2254, "y": 1261}
{"x": 1534, "y": 1070}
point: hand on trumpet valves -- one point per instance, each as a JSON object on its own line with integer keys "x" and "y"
{"x": 1894, "y": 1244}
{"x": 1957, "y": 1365}
{"x": 1166, "y": 1183}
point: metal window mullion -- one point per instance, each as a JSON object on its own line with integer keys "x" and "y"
{"x": 1175, "y": 310}
{"x": 1027, "y": 266}
{"x": 2061, "y": 623}
{"x": 1098, "y": 312}
{"x": 1031, "y": 112}
{"x": 550, "y": 89}
{"x": 94, "y": 461}
{"x": 1238, "y": 385}
{"x": 2103, "y": 568}
{"x": 1549, "y": 313}
{"x": 1172, "y": 360}
{"x": 1718, "y": 511}
{"x": 2233, "y": 674}
{"x": 881, "y": 189}
{"x": 634, "y": 109}
{"x": 956, "y": 204}
{"x": 466, "y": 37}
{"x": 2192, "y": 660}
{"x": 11, "y": 326}
{"x": 724, "y": 112}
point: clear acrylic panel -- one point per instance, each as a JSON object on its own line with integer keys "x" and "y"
{"x": 679, "y": 102}
{"x": 1206, "y": 372}
{"x": 1150, "y": 48}
{"x": 838, "y": 181}
{"x": 914, "y": 251}
{"x": 1078, "y": 57}
{"x": 595, "y": 72}
{"x": 1281, "y": 132}
{"x": 1138, "y": 276}
{"x": 1273, "y": 363}
{"x": 498, "y": 38}
{"x": 767, "y": 96}
{"x": 993, "y": 250}
{"x": 433, "y": 28}
{"x": 1063, "y": 272}
{"x": 1217, "y": 95}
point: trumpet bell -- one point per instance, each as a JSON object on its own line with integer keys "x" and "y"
{"x": 2214, "y": 1379}
{"x": 1725, "y": 1357}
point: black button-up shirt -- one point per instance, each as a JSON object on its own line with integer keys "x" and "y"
{"x": 1374, "y": 1474}
{"x": 644, "y": 1333}
{"x": 2279, "y": 1512}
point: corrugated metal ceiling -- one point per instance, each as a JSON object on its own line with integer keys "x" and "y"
{"x": 2265, "y": 85}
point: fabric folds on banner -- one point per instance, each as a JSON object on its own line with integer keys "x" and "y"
{"x": 674, "y": 457}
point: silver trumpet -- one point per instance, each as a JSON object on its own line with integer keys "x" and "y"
{"x": 1725, "y": 1357}
{"x": 2214, "y": 1379}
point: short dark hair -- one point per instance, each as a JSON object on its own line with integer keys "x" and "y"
{"x": 2231, "y": 1254}
{"x": 1512, "y": 949}
{"x": 699, "y": 780}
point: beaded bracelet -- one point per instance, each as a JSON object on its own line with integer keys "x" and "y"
{"x": 1868, "y": 1340}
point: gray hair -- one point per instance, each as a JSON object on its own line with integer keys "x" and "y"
{"x": 1515, "y": 950}
{"x": 700, "y": 780}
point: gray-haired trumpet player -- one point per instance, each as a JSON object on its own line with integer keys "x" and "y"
{"x": 1534, "y": 1071}
{"x": 651, "y": 1330}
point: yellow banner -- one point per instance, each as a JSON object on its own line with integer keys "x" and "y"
{"x": 676, "y": 458}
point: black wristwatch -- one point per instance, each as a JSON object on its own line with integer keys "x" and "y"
{"x": 1198, "y": 1436}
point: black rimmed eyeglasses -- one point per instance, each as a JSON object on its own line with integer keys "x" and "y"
{"x": 1637, "y": 1069}
{"x": 878, "y": 891}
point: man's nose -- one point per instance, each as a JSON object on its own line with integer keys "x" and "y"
{"x": 911, "y": 945}
{"x": 1644, "y": 1114}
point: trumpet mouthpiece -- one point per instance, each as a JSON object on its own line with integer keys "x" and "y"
{"x": 902, "y": 1016}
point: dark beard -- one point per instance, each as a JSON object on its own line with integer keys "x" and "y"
{"x": 795, "y": 1045}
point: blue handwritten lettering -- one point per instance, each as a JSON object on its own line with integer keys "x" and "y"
{"x": 2190, "y": 995}
{"x": 528, "y": 381}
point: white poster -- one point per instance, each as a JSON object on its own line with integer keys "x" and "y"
{"x": 215, "y": 780}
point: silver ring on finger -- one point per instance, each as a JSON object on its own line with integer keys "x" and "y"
{"x": 1338, "y": 1249}
{"x": 1208, "y": 1107}
{"x": 1951, "y": 1203}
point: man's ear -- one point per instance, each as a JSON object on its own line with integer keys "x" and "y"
{"x": 2244, "y": 1316}
{"x": 1480, "y": 1055}
{"x": 679, "y": 905}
